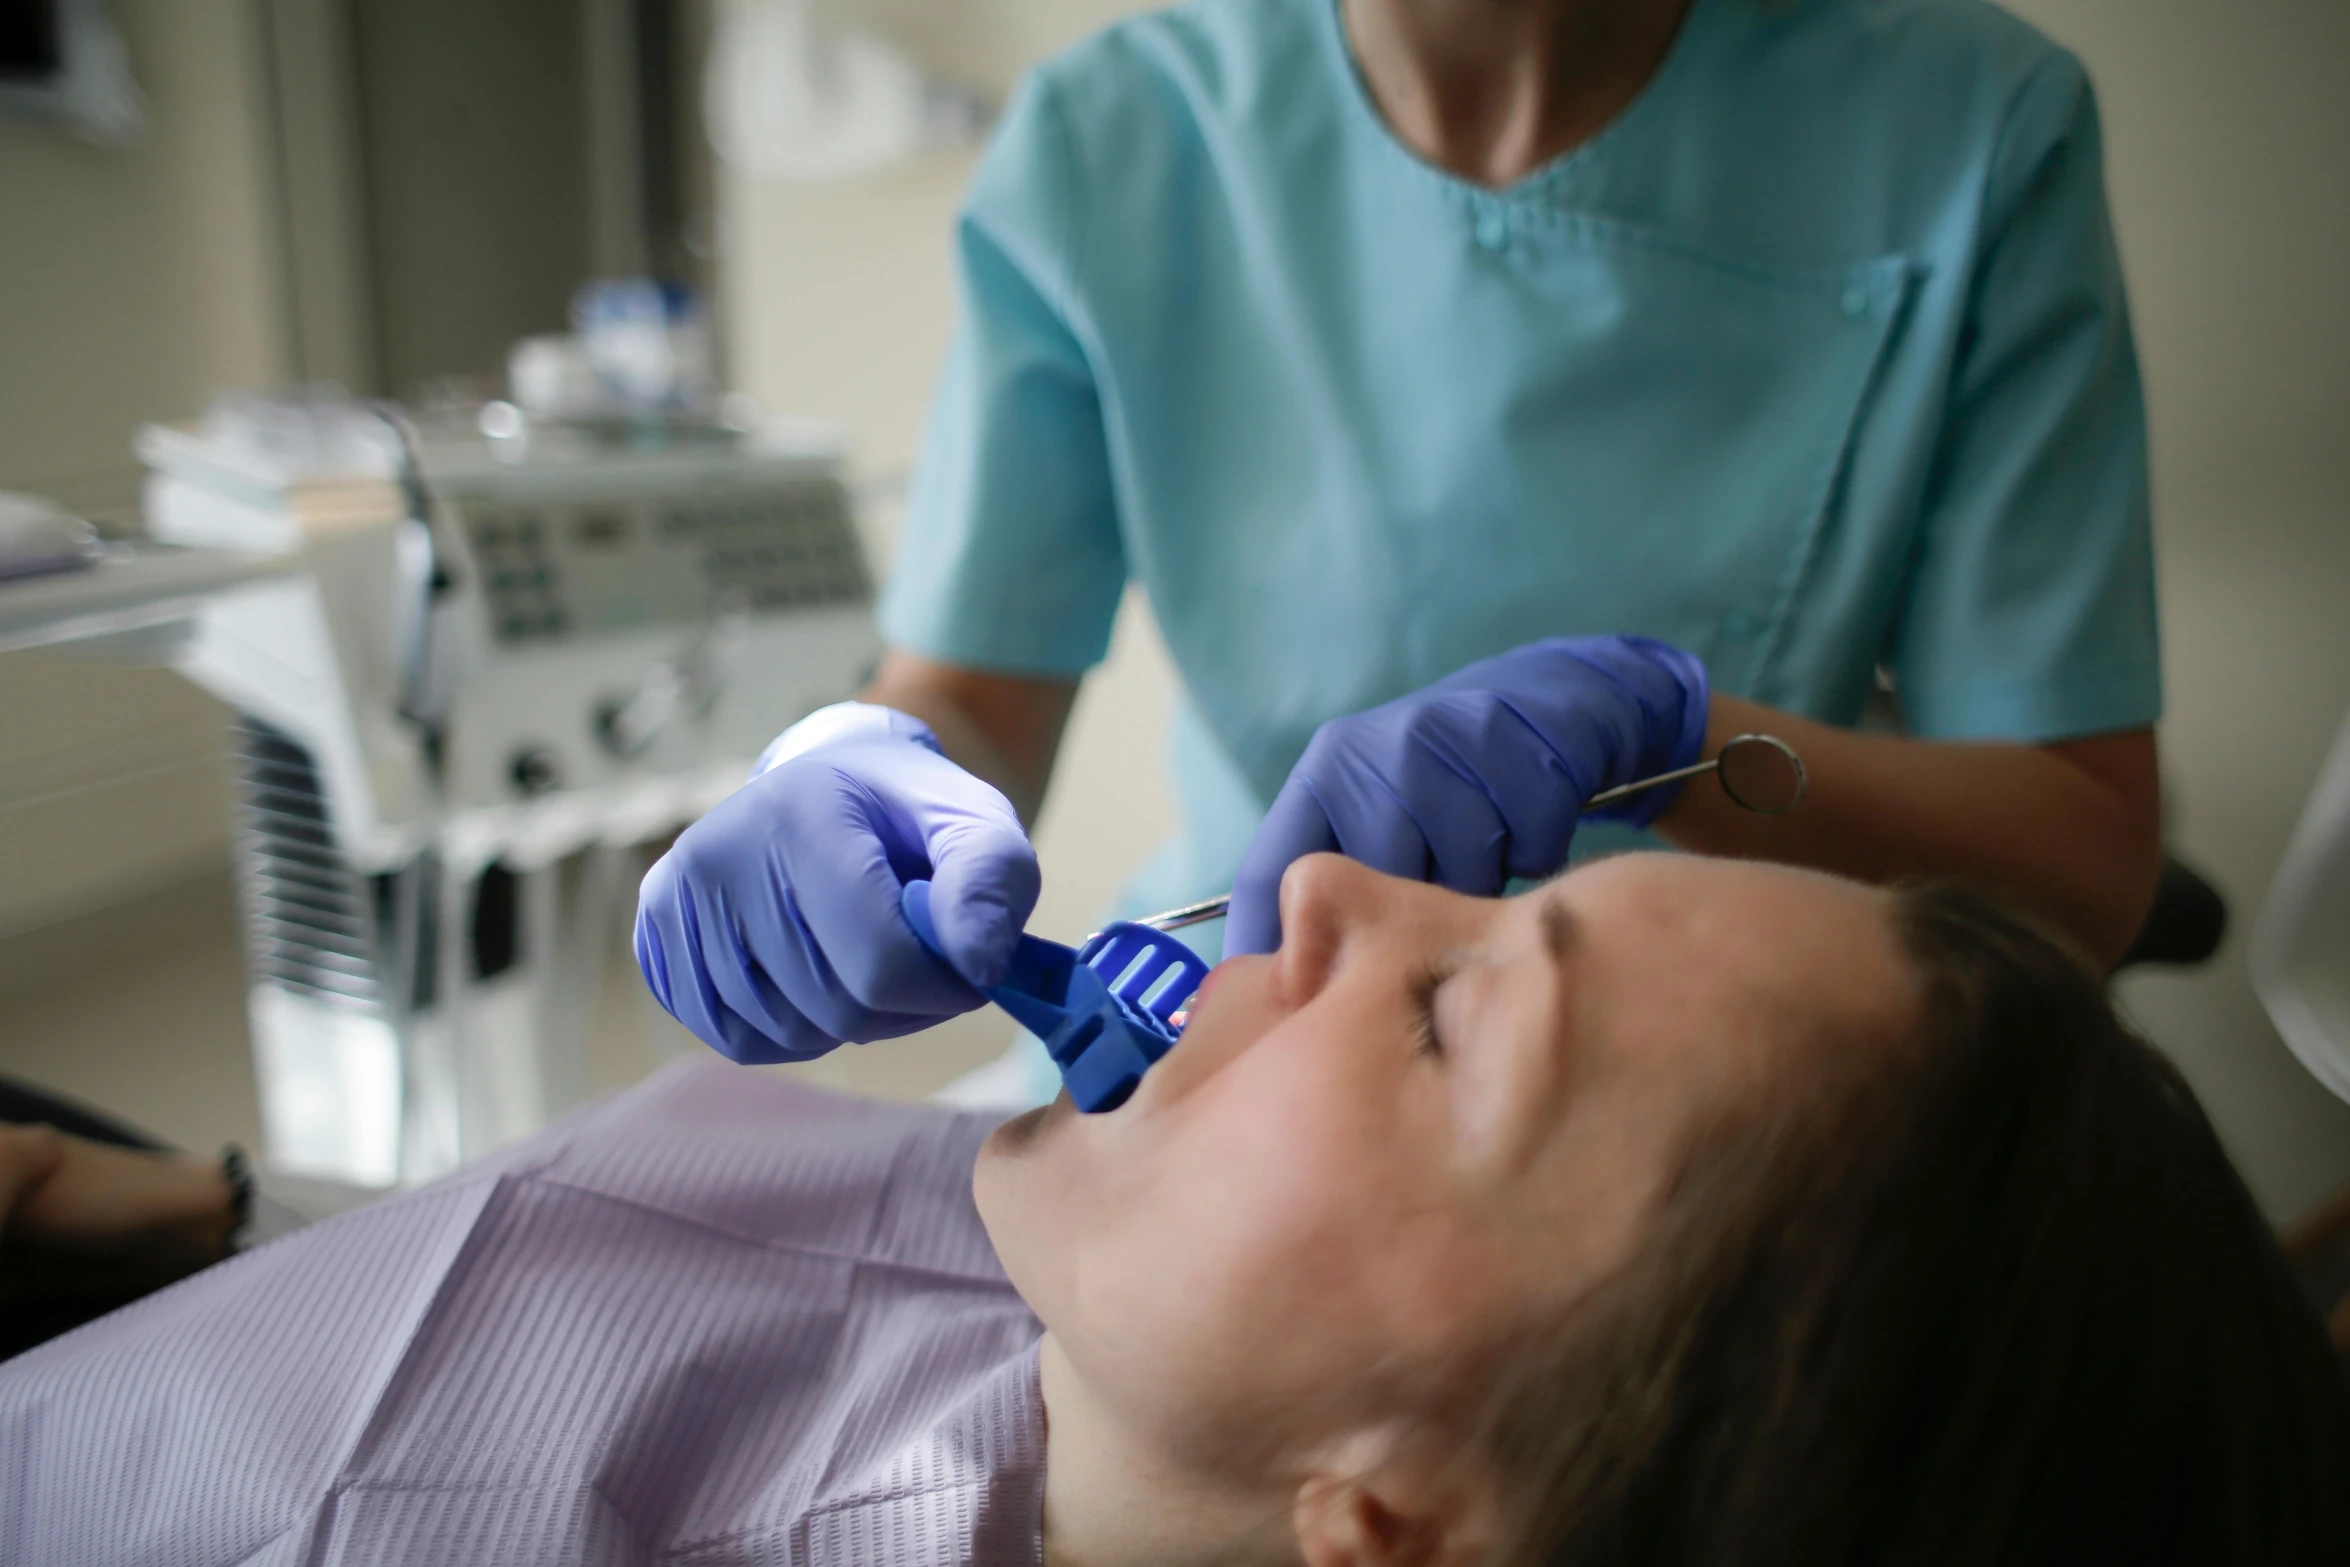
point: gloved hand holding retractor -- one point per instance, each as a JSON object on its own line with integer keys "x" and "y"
{"x": 1482, "y": 776}
{"x": 773, "y": 927}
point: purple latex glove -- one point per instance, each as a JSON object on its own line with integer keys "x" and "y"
{"x": 1482, "y": 776}
{"x": 772, "y": 927}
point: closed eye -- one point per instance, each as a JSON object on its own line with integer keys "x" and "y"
{"x": 1426, "y": 1040}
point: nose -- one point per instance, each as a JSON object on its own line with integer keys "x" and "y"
{"x": 1334, "y": 912}
{"x": 1325, "y": 900}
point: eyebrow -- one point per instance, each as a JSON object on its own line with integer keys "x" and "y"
{"x": 1535, "y": 1077}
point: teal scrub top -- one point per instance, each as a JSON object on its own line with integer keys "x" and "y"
{"x": 1815, "y": 362}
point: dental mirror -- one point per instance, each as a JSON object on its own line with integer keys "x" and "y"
{"x": 1760, "y": 773}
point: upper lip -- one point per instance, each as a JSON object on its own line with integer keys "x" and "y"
{"x": 1200, "y": 995}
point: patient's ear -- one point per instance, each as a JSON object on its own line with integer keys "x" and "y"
{"x": 1396, "y": 1515}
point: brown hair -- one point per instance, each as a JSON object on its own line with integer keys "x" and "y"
{"x": 1998, "y": 1298}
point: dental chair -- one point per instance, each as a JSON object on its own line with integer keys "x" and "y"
{"x": 2187, "y": 923}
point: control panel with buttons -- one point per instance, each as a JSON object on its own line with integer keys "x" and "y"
{"x": 627, "y": 616}
{"x": 553, "y": 569}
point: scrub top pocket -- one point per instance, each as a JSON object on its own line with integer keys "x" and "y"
{"x": 1665, "y": 462}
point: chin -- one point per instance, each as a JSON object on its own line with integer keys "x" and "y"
{"x": 1021, "y": 1133}
{"x": 1010, "y": 1148}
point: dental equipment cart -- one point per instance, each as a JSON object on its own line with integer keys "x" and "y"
{"x": 498, "y": 668}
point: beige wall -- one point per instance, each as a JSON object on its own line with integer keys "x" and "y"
{"x": 2229, "y": 147}
{"x": 131, "y": 285}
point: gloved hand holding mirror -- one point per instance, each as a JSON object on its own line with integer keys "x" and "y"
{"x": 1482, "y": 778}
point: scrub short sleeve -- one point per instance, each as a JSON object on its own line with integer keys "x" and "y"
{"x": 1010, "y": 558}
{"x": 2029, "y": 613}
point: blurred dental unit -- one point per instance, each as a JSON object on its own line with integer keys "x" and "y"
{"x": 501, "y": 663}
{"x": 502, "y": 647}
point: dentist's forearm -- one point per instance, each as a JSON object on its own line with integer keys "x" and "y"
{"x": 2073, "y": 828}
{"x": 1003, "y": 728}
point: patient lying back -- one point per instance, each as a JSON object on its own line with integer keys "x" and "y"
{"x": 1680, "y": 1210}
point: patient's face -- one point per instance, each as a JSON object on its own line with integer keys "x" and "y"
{"x": 1423, "y": 1117}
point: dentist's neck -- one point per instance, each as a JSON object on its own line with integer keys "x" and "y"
{"x": 1112, "y": 1500}
{"x": 1493, "y": 89}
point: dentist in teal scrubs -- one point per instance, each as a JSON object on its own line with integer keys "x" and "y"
{"x": 1496, "y": 399}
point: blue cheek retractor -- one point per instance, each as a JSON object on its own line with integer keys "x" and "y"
{"x": 1105, "y": 1011}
